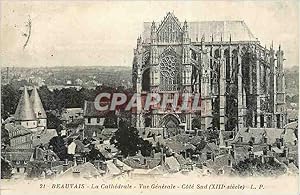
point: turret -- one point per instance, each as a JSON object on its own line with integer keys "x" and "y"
{"x": 186, "y": 38}
{"x": 38, "y": 109}
{"x": 153, "y": 32}
{"x": 24, "y": 114}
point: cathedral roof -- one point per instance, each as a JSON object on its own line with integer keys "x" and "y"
{"x": 24, "y": 111}
{"x": 238, "y": 30}
{"x": 37, "y": 105}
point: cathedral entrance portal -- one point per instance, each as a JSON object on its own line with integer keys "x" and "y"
{"x": 171, "y": 124}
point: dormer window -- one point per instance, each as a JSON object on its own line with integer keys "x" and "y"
{"x": 240, "y": 139}
{"x": 265, "y": 140}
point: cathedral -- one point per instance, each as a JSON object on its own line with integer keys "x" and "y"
{"x": 241, "y": 83}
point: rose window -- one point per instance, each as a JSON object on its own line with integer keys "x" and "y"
{"x": 168, "y": 66}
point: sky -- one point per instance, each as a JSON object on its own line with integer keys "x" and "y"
{"x": 104, "y": 33}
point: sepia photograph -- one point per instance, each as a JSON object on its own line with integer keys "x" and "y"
{"x": 149, "y": 97}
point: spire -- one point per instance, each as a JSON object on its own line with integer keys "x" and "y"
{"x": 230, "y": 38}
{"x": 37, "y": 105}
{"x": 279, "y": 47}
{"x": 24, "y": 111}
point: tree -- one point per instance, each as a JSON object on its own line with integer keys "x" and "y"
{"x": 4, "y": 136}
{"x": 35, "y": 168}
{"x": 200, "y": 146}
{"x": 196, "y": 123}
{"x": 59, "y": 147}
{"x": 127, "y": 140}
{"x": 6, "y": 169}
{"x": 146, "y": 147}
{"x": 256, "y": 167}
{"x": 9, "y": 100}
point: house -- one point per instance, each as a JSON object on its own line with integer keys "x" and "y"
{"x": 30, "y": 112}
{"x": 19, "y": 136}
{"x": 70, "y": 115}
{"x": 18, "y": 158}
{"x": 257, "y": 136}
{"x": 86, "y": 170}
{"x": 94, "y": 119}
{"x": 115, "y": 167}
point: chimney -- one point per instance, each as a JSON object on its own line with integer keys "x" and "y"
{"x": 75, "y": 161}
{"x": 251, "y": 156}
{"x": 265, "y": 151}
{"x": 65, "y": 165}
{"x": 139, "y": 153}
{"x": 229, "y": 162}
{"x": 281, "y": 142}
{"x": 286, "y": 152}
{"x": 270, "y": 147}
{"x": 115, "y": 161}
{"x": 226, "y": 143}
{"x": 120, "y": 157}
{"x": 103, "y": 166}
{"x": 233, "y": 154}
{"x": 152, "y": 153}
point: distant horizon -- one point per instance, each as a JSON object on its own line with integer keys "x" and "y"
{"x": 94, "y": 66}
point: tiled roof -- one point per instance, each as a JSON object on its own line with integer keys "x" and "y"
{"x": 37, "y": 105}
{"x": 89, "y": 110}
{"x": 142, "y": 162}
{"x": 114, "y": 170}
{"x": 16, "y": 130}
{"x": 158, "y": 170}
{"x": 258, "y": 133}
{"x": 86, "y": 170}
{"x": 220, "y": 162}
{"x": 238, "y": 30}
{"x": 71, "y": 112}
{"x": 18, "y": 154}
{"x": 172, "y": 164}
{"x": 44, "y": 137}
{"x": 24, "y": 111}
{"x": 289, "y": 135}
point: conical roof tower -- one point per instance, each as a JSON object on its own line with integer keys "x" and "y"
{"x": 37, "y": 104}
{"x": 24, "y": 111}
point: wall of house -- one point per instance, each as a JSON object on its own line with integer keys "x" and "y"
{"x": 94, "y": 121}
{"x": 28, "y": 124}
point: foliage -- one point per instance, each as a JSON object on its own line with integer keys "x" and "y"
{"x": 127, "y": 140}
{"x": 4, "y": 136}
{"x": 9, "y": 100}
{"x": 35, "y": 168}
{"x": 59, "y": 147}
{"x": 200, "y": 146}
{"x": 196, "y": 123}
{"x": 94, "y": 154}
{"x": 255, "y": 167}
{"x": 6, "y": 169}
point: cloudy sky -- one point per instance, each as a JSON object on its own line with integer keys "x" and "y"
{"x": 102, "y": 33}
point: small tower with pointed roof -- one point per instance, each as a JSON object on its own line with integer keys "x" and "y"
{"x": 24, "y": 114}
{"x": 38, "y": 109}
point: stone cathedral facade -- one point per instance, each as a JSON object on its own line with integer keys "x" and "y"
{"x": 241, "y": 83}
